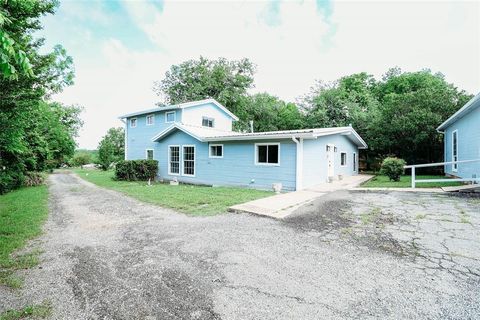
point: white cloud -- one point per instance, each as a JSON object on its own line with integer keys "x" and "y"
{"x": 298, "y": 48}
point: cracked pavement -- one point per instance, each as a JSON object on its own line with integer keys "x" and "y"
{"x": 347, "y": 255}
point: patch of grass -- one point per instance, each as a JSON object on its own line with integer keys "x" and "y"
{"x": 38, "y": 311}
{"x": 420, "y": 216}
{"x": 9, "y": 279}
{"x": 195, "y": 200}
{"x": 22, "y": 213}
{"x": 464, "y": 219}
{"x": 406, "y": 182}
{"x": 370, "y": 216}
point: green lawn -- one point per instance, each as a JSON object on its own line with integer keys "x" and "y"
{"x": 22, "y": 213}
{"x": 195, "y": 200}
{"x": 406, "y": 182}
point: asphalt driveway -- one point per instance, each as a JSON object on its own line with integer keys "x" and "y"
{"x": 345, "y": 256}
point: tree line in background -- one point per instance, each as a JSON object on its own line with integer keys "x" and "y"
{"x": 36, "y": 133}
{"x": 396, "y": 115}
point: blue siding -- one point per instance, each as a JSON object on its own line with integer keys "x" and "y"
{"x": 139, "y": 138}
{"x": 315, "y": 158}
{"x": 236, "y": 168}
{"x": 468, "y": 144}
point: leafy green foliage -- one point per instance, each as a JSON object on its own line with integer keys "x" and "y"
{"x": 111, "y": 148}
{"x": 226, "y": 81}
{"x": 80, "y": 159}
{"x": 34, "y": 179}
{"x": 133, "y": 170}
{"x": 393, "y": 168}
{"x": 397, "y": 115}
{"x": 36, "y": 135}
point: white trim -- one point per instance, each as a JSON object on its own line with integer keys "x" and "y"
{"x": 130, "y": 121}
{"x": 153, "y": 119}
{"x": 194, "y": 160}
{"x": 146, "y": 153}
{"x": 210, "y": 150}
{"x": 455, "y": 165}
{"x": 183, "y": 106}
{"x": 346, "y": 159}
{"x": 176, "y": 125}
{"x": 179, "y": 160}
{"x": 267, "y": 144}
{"x": 355, "y": 162}
{"x": 472, "y": 103}
{"x": 174, "y": 116}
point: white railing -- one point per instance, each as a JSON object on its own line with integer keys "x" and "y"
{"x": 414, "y": 166}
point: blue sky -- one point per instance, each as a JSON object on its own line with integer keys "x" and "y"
{"x": 121, "y": 47}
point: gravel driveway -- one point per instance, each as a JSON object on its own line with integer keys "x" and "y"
{"x": 345, "y": 256}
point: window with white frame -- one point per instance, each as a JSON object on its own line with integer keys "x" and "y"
{"x": 216, "y": 151}
{"x": 133, "y": 122}
{"x": 170, "y": 116}
{"x": 208, "y": 122}
{"x": 267, "y": 153}
{"x": 343, "y": 159}
{"x": 188, "y": 160}
{"x": 150, "y": 119}
{"x": 174, "y": 159}
{"x": 149, "y": 154}
{"x": 354, "y": 162}
{"x": 455, "y": 150}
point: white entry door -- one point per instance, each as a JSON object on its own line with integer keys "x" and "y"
{"x": 330, "y": 160}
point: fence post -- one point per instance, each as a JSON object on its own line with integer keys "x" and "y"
{"x": 413, "y": 177}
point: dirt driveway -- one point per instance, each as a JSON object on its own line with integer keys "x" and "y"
{"x": 345, "y": 256}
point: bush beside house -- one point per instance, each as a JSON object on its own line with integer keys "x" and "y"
{"x": 134, "y": 170}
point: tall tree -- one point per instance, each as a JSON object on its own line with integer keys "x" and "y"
{"x": 111, "y": 148}
{"x": 24, "y": 95}
{"x": 221, "y": 79}
{"x": 411, "y": 106}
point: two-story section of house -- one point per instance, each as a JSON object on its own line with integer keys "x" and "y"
{"x": 143, "y": 125}
{"x": 194, "y": 143}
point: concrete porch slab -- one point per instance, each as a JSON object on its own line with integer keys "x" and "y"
{"x": 282, "y": 205}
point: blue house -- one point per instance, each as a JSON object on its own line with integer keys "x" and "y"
{"x": 194, "y": 143}
{"x": 462, "y": 140}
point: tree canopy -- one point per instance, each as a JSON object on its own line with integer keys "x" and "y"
{"x": 111, "y": 148}
{"x": 36, "y": 133}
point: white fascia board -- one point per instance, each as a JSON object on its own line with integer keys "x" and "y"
{"x": 260, "y": 137}
{"x": 173, "y": 127}
{"x": 472, "y": 103}
{"x": 182, "y": 106}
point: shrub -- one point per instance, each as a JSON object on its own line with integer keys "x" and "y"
{"x": 10, "y": 180}
{"x": 132, "y": 170}
{"x": 34, "y": 178}
{"x": 80, "y": 159}
{"x": 393, "y": 168}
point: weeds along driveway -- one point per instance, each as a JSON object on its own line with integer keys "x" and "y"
{"x": 107, "y": 256}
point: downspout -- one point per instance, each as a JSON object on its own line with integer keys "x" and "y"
{"x": 299, "y": 164}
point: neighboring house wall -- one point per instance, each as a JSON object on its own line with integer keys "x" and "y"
{"x": 468, "y": 131}
{"x": 193, "y": 116}
{"x": 139, "y": 138}
{"x": 315, "y": 158}
{"x": 236, "y": 168}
